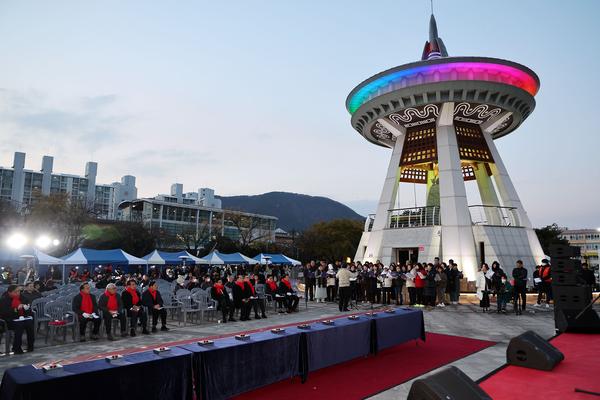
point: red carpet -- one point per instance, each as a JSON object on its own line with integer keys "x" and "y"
{"x": 579, "y": 369}
{"x": 364, "y": 377}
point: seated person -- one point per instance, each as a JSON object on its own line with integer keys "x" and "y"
{"x": 18, "y": 317}
{"x": 86, "y": 308}
{"x": 153, "y": 300}
{"x": 271, "y": 289}
{"x": 30, "y": 293}
{"x": 132, "y": 301}
{"x": 291, "y": 298}
{"x": 220, "y": 295}
{"x": 111, "y": 307}
{"x": 253, "y": 298}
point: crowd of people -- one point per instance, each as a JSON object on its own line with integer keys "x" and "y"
{"x": 245, "y": 290}
{"x": 235, "y": 289}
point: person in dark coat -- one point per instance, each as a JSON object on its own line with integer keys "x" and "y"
{"x": 429, "y": 290}
{"x": 132, "y": 302}
{"x": 30, "y": 293}
{"x": 111, "y": 307}
{"x": 291, "y": 299}
{"x": 18, "y": 317}
{"x": 152, "y": 299}
{"x": 220, "y": 295}
{"x": 520, "y": 287}
{"x": 85, "y": 306}
{"x": 241, "y": 298}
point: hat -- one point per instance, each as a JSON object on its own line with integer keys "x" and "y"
{"x": 545, "y": 261}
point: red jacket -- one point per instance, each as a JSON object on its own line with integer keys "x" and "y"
{"x": 545, "y": 273}
{"x": 420, "y": 282}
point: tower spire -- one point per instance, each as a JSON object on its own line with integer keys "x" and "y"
{"x": 434, "y": 47}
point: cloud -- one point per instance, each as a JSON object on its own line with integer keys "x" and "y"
{"x": 30, "y": 117}
{"x": 166, "y": 162}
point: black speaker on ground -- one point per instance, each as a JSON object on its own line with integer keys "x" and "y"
{"x": 448, "y": 384}
{"x": 565, "y": 265}
{"x": 571, "y": 297}
{"x": 564, "y": 251}
{"x": 529, "y": 350}
{"x": 566, "y": 321}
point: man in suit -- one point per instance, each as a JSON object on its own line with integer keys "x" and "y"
{"x": 86, "y": 308}
{"x": 220, "y": 295}
{"x": 291, "y": 298}
{"x": 18, "y": 317}
{"x": 132, "y": 301}
{"x": 153, "y": 300}
{"x": 241, "y": 298}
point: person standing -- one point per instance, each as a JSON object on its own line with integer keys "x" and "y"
{"x": 482, "y": 283}
{"x": 85, "y": 306}
{"x": 321, "y": 292}
{"x": 546, "y": 277}
{"x": 429, "y": 290}
{"x": 440, "y": 285}
{"x": 343, "y": 276}
{"x": 420, "y": 284}
{"x": 410, "y": 284}
{"x": 503, "y": 294}
{"x": 454, "y": 277}
{"x": 220, "y": 295}
{"x": 387, "y": 283}
{"x": 519, "y": 275}
{"x": 330, "y": 283}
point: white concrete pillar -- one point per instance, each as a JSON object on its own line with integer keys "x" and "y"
{"x": 457, "y": 233}
{"x": 510, "y": 198}
{"x": 18, "y": 183}
{"x": 388, "y": 196}
{"x": 47, "y": 162}
{"x": 488, "y": 195}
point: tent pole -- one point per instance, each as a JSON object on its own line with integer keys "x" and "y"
{"x": 63, "y": 274}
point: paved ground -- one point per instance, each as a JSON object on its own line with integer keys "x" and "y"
{"x": 462, "y": 320}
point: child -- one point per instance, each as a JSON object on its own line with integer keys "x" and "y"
{"x": 504, "y": 294}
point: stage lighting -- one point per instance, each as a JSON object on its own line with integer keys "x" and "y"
{"x": 16, "y": 241}
{"x": 55, "y": 242}
{"x": 43, "y": 242}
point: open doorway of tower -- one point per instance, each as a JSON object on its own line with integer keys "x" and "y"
{"x": 402, "y": 255}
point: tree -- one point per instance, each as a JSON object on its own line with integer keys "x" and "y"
{"x": 550, "y": 235}
{"x": 248, "y": 228}
{"x": 9, "y": 216}
{"x": 131, "y": 237}
{"x": 334, "y": 240}
{"x": 194, "y": 238}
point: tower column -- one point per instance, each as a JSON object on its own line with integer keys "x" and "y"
{"x": 457, "y": 233}
{"x": 488, "y": 195}
{"x": 387, "y": 198}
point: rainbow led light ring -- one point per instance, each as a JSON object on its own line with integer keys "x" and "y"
{"x": 444, "y": 72}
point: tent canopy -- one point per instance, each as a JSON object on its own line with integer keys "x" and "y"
{"x": 263, "y": 258}
{"x": 172, "y": 258}
{"x": 16, "y": 257}
{"x": 84, "y": 256}
{"x": 216, "y": 258}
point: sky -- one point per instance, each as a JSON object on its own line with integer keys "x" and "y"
{"x": 247, "y": 97}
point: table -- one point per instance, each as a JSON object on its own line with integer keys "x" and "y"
{"x": 229, "y": 366}
{"x": 141, "y": 375}
{"x": 392, "y": 329}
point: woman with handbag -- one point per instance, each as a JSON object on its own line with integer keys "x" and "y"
{"x": 483, "y": 284}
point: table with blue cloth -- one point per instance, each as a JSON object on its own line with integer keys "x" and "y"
{"x": 392, "y": 329}
{"x": 141, "y": 375}
{"x": 327, "y": 345}
{"x": 229, "y": 366}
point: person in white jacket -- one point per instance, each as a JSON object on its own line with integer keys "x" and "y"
{"x": 483, "y": 283}
{"x": 410, "y": 284}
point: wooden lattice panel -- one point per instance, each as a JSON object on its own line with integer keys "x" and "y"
{"x": 413, "y": 175}
{"x": 419, "y": 145}
{"x": 471, "y": 143}
{"x": 468, "y": 173}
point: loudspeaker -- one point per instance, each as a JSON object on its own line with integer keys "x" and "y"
{"x": 529, "y": 350}
{"x": 564, "y": 278}
{"x": 588, "y": 322}
{"x": 564, "y": 251}
{"x": 571, "y": 297}
{"x": 448, "y": 384}
{"x": 565, "y": 265}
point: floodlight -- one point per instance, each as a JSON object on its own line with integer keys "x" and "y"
{"x": 16, "y": 241}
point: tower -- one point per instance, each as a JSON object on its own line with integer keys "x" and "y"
{"x": 440, "y": 116}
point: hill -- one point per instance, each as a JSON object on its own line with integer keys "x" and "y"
{"x": 295, "y": 211}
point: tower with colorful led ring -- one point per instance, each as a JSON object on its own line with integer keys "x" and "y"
{"x": 440, "y": 116}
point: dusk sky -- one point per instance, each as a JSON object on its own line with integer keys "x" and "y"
{"x": 247, "y": 97}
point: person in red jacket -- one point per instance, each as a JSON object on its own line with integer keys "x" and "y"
{"x": 546, "y": 277}
{"x": 420, "y": 284}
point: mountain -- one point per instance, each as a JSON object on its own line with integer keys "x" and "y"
{"x": 295, "y": 211}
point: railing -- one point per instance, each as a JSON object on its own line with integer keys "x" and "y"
{"x": 414, "y": 217}
{"x": 369, "y": 222}
{"x": 494, "y": 215}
